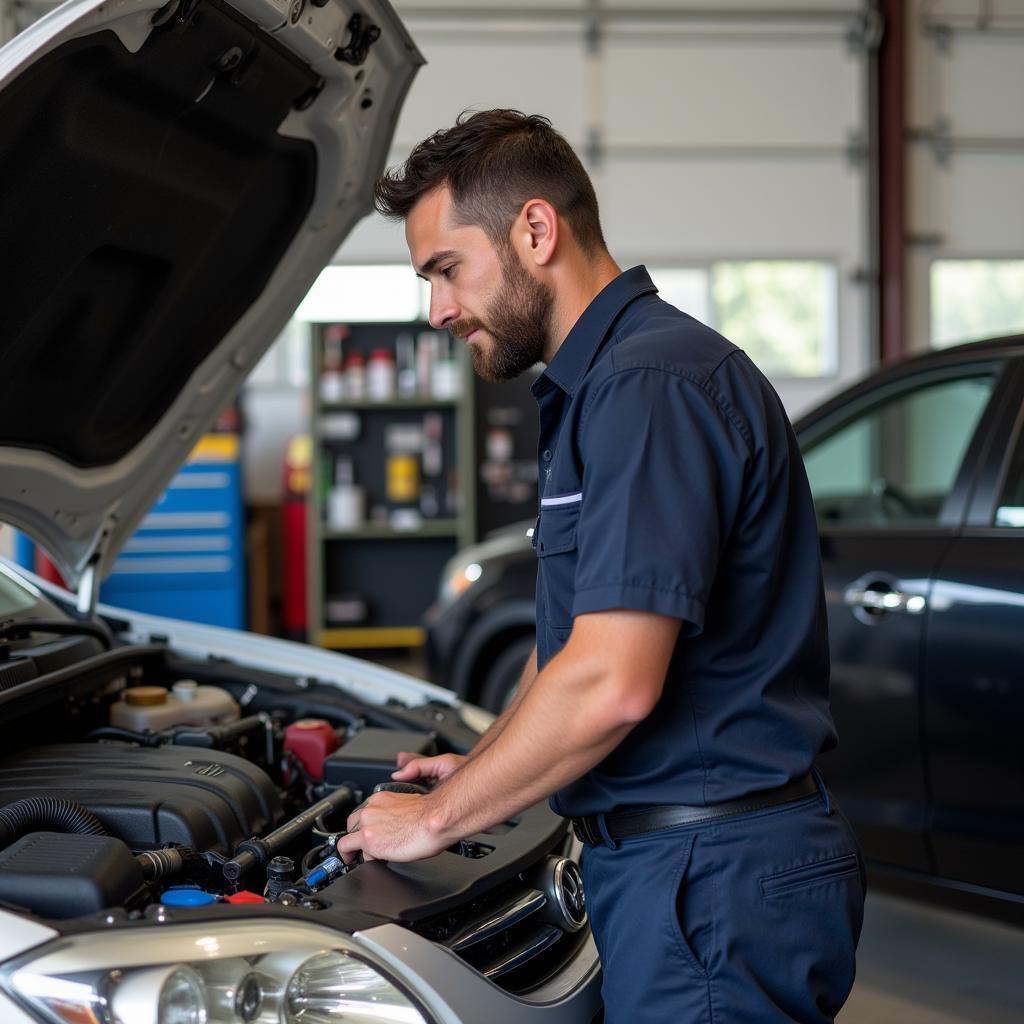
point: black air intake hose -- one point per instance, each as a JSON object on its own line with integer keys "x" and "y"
{"x": 46, "y": 814}
{"x": 157, "y": 864}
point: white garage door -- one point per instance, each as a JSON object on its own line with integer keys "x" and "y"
{"x": 966, "y": 171}
{"x": 727, "y": 143}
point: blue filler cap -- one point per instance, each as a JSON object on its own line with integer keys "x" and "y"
{"x": 186, "y": 896}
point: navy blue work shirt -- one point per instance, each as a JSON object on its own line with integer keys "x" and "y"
{"x": 671, "y": 482}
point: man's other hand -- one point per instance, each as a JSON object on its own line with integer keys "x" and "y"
{"x": 433, "y": 769}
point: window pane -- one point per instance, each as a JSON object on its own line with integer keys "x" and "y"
{"x": 361, "y": 294}
{"x": 973, "y": 299}
{"x": 1010, "y": 511}
{"x": 686, "y": 288}
{"x": 14, "y": 597}
{"x": 896, "y": 463}
{"x": 782, "y": 312}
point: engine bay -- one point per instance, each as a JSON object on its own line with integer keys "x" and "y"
{"x": 135, "y": 780}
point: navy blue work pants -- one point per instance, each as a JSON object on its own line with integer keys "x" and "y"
{"x": 749, "y": 920}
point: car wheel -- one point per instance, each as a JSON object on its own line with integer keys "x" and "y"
{"x": 500, "y": 682}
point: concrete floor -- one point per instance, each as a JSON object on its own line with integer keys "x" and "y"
{"x": 921, "y": 965}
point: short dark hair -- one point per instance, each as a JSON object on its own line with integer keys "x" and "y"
{"x": 494, "y": 161}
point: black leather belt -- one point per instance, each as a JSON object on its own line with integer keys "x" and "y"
{"x": 637, "y": 822}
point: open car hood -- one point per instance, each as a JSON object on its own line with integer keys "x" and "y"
{"x": 173, "y": 177}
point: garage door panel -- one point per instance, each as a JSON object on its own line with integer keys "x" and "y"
{"x": 982, "y": 86}
{"x": 985, "y": 213}
{"x": 375, "y": 240}
{"x": 516, "y": 72}
{"x": 928, "y": 194}
{"x": 728, "y": 6}
{"x": 688, "y": 91}
{"x": 408, "y": 8}
{"x": 969, "y": 11}
{"x": 669, "y": 208}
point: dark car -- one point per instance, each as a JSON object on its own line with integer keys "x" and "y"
{"x": 480, "y": 631}
{"x": 917, "y": 475}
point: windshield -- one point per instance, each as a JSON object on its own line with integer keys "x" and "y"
{"x": 16, "y": 595}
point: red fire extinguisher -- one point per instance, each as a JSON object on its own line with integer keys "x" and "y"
{"x": 297, "y": 483}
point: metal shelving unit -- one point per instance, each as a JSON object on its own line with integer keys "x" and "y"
{"x": 369, "y": 585}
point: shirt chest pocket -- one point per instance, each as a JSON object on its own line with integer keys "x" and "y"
{"x": 556, "y": 561}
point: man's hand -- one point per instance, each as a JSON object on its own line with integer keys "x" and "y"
{"x": 413, "y": 766}
{"x": 392, "y": 826}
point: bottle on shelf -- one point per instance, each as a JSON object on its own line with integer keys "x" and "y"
{"x": 405, "y": 365}
{"x": 433, "y": 452}
{"x": 380, "y": 375}
{"x": 346, "y": 502}
{"x": 355, "y": 376}
{"x": 332, "y": 386}
{"x": 426, "y": 353}
{"x": 445, "y": 378}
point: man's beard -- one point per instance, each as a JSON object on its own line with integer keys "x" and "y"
{"x": 518, "y": 321}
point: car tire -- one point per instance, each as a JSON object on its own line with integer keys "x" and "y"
{"x": 500, "y": 682}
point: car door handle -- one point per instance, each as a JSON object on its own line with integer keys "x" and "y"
{"x": 880, "y": 598}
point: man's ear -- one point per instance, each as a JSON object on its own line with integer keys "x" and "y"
{"x": 535, "y": 231}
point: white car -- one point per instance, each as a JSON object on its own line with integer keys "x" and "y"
{"x": 172, "y": 180}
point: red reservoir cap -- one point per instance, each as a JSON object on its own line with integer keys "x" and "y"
{"x": 245, "y": 897}
{"x": 311, "y": 740}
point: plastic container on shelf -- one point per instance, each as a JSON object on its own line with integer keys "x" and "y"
{"x": 346, "y": 502}
{"x": 426, "y": 353}
{"x": 405, "y": 365}
{"x": 355, "y": 376}
{"x": 446, "y": 379}
{"x": 332, "y": 384}
{"x": 380, "y": 375}
{"x": 403, "y": 478}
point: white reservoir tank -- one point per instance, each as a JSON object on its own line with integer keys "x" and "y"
{"x": 155, "y": 708}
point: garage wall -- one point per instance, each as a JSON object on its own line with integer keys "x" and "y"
{"x": 966, "y": 141}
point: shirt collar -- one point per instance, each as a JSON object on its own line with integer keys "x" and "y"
{"x": 577, "y": 352}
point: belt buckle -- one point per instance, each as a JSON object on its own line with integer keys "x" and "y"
{"x": 583, "y": 832}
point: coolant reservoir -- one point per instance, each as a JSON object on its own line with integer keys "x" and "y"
{"x": 186, "y": 703}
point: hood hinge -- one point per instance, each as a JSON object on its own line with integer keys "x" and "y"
{"x": 362, "y": 35}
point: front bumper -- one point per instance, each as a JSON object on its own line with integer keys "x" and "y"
{"x": 456, "y": 994}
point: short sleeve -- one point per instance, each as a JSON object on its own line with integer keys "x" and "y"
{"x": 662, "y": 484}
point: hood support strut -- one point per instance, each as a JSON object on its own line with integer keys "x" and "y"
{"x": 89, "y": 582}
{"x": 89, "y": 589}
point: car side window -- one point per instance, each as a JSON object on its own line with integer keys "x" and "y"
{"x": 1010, "y": 510}
{"x": 895, "y": 463}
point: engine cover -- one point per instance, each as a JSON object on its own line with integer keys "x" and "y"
{"x": 149, "y": 796}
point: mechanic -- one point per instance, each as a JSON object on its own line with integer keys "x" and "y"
{"x": 678, "y": 692}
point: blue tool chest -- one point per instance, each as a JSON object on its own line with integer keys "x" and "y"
{"x": 187, "y": 559}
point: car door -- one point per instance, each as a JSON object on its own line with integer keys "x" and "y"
{"x": 889, "y": 470}
{"x": 974, "y": 674}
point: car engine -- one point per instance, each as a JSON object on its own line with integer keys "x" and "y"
{"x": 140, "y": 786}
{"x": 190, "y": 791}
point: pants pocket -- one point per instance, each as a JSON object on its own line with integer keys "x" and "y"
{"x": 807, "y": 876}
{"x": 687, "y": 918}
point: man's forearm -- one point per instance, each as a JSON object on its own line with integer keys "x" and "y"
{"x": 567, "y": 721}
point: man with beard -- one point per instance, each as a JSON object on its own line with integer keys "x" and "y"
{"x": 678, "y": 692}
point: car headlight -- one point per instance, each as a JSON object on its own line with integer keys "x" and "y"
{"x": 239, "y": 973}
{"x": 458, "y": 580}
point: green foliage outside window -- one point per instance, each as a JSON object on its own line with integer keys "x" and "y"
{"x": 975, "y": 299}
{"x": 781, "y": 312}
